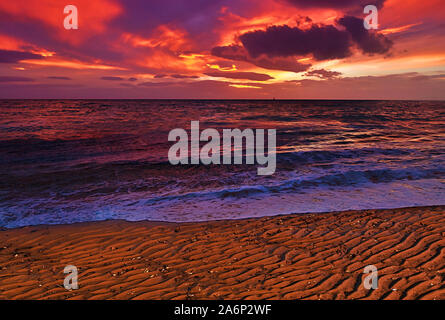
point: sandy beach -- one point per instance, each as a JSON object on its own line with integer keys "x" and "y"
{"x": 309, "y": 256}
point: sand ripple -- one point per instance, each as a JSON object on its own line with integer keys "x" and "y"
{"x": 312, "y": 256}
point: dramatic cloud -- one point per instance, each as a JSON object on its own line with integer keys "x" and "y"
{"x": 94, "y": 16}
{"x": 241, "y": 45}
{"x": 240, "y": 75}
{"x": 10, "y": 56}
{"x": 323, "y": 42}
{"x": 368, "y": 41}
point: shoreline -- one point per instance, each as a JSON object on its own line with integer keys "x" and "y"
{"x": 177, "y": 223}
{"x": 296, "y": 256}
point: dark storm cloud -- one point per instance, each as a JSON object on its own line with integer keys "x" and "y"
{"x": 10, "y": 56}
{"x": 240, "y": 75}
{"x": 323, "y": 42}
{"x": 369, "y": 42}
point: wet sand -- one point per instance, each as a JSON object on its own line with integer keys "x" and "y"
{"x": 308, "y": 256}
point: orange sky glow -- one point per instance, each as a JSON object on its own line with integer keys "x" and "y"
{"x": 222, "y": 49}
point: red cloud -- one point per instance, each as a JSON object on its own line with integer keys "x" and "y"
{"x": 11, "y": 56}
{"x": 93, "y": 15}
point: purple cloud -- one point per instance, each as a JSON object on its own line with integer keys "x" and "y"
{"x": 10, "y": 56}
{"x": 369, "y": 42}
{"x": 113, "y": 78}
{"x": 182, "y": 76}
{"x": 240, "y": 75}
{"x": 323, "y": 42}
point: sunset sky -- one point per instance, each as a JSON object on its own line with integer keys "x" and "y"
{"x": 287, "y": 49}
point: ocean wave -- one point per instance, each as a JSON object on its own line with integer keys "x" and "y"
{"x": 81, "y": 160}
{"x": 349, "y": 178}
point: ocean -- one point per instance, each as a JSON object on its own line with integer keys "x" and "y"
{"x": 67, "y": 161}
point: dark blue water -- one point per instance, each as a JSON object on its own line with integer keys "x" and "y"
{"x": 64, "y": 161}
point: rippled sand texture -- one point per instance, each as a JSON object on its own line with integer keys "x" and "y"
{"x": 314, "y": 256}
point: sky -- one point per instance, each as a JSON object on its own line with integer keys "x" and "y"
{"x": 223, "y": 49}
